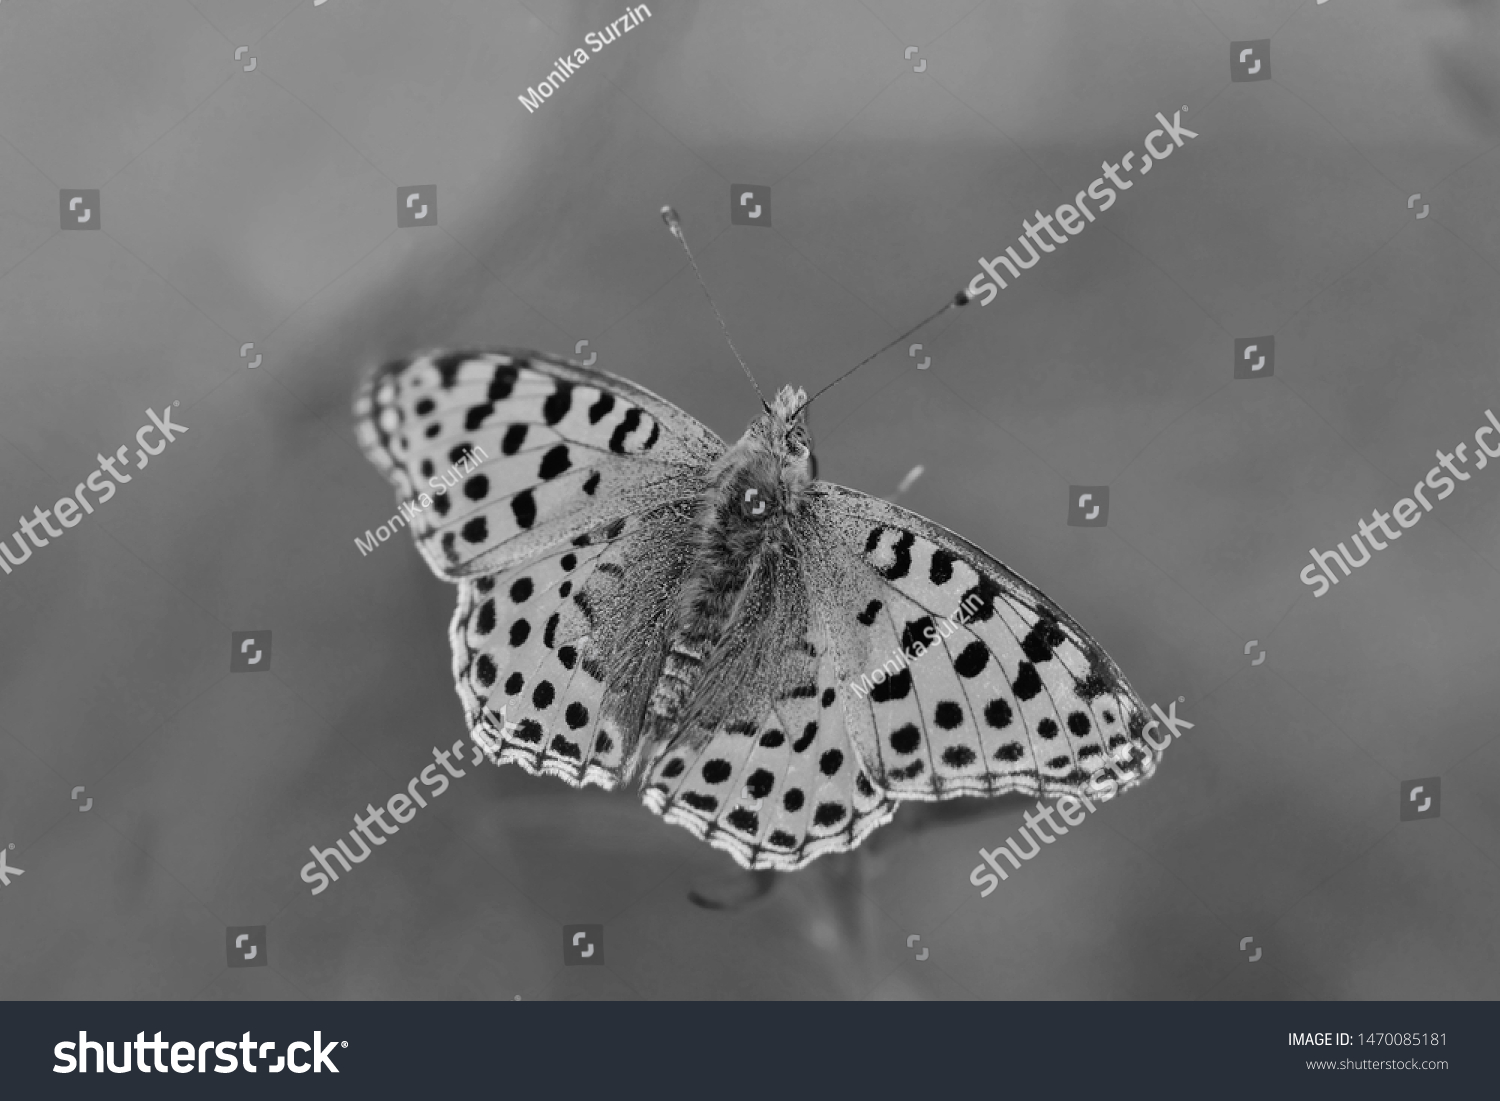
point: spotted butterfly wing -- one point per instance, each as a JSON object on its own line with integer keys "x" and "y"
{"x": 929, "y": 671}
{"x": 549, "y": 482}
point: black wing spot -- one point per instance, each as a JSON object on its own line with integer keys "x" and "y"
{"x": 782, "y": 840}
{"x": 901, "y": 564}
{"x": 921, "y": 631}
{"x": 717, "y": 771}
{"x": 674, "y": 768}
{"x": 772, "y": 739}
{"x": 556, "y": 407}
{"x": 941, "y": 571}
{"x": 441, "y": 504}
{"x": 1010, "y": 751}
{"x": 746, "y": 821}
{"x": 958, "y": 756}
{"x": 829, "y": 814}
{"x": 514, "y": 683}
{"x": 828, "y": 697}
{"x": 529, "y": 731}
{"x": 564, "y": 748}
{"x": 554, "y": 462}
{"x": 477, "y": 487}
{"x": 867, "y": 617}
{"x": 520, "y": 631}
{"x": 1027, "y": 684}
{"x": 485, "y": 669}
{"x": 514, "y": 438}
{"x": 600, "y": 409}
{"x": 793, "y": 800}
{"x": 905, "y": 739}
{"x": 831, "y": 762}
{"x": 809, "y": 732}
{"x": 543, "y": 695}
{"x": 1042, "y": 639}
{"x": 1079, "y": 725}
{"x": 477, "y": 530}
{"x": 592, "y": 484}
{"x": 892, "y": 688}
{"x": 1046, "y": 728}
{"x": 484, "y": 623}
{"x": 998, "y": 713}
{"x": 706, "y": 803}
{"x": 949, "y": 715}
{"x": 628, "y": 424}
{"x": 523, "y": 506}
{"x": 448, "y": 364}
{"x": 568, "y": 656}
{"x": 520, "y": 592}
{"x": 576, "y": 716}
{"x": 503, "y": 382}
{"x": 971, "y": 662}
{"x": 760, "y": 783}
{"x": 477, "y": 415}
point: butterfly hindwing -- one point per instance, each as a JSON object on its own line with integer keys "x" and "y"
{"x": 780, "y": 789}
{"x": 555, "y": 657}
{"x": 963, "y": 678}
{"x": 519, "y": 451}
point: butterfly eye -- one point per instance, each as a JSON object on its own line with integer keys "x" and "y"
{"x": 760, "y": 506}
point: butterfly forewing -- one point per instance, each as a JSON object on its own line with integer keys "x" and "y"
{"x": 970, "y": 680}
{"x": 519, "y": 451}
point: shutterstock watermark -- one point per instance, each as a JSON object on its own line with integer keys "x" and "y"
{"x": 67, "y": 508}
{"x": 401, "y": 806}
{"x": 1070, "y": 216}
{"x": 1068, "y": 807}
{"x": 1405, "y": 510}
{"x": 188, "y": 1057}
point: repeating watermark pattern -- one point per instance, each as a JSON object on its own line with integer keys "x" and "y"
{"x": 1254, "y": 356}
{"x": 88, "y": 805}
{"x": 80, "y": 208}
{"x": 1250, "y": 60}
{"x": 568, "y": 64}
{"x": 416, "y": 206}
{"x": 1070, "y": 216}
{"x": 1068, "y": 807}
{"x": 750, "y": 204}
{"x": 245, "y": 946}
{"x": 900, "y": 659}
{"x": 583, "y": 945}
{"x": 8, "y": 870}
{"x": 1088, "y": 506}
{"x": 1421, "y": 799}
{"x": 67, "y": 508}
{"x": 250, "y": 652}
{"x": 1405, "y": 510}
{"x": 1246, "y": 942}
{"x": 401, "y": 806}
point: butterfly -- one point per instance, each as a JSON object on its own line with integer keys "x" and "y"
{"x": 777, "y": 661}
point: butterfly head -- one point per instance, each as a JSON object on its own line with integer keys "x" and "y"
{"x": 762, "y": 477}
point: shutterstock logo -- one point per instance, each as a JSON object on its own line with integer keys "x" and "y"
{"x": 189, "y": 1057}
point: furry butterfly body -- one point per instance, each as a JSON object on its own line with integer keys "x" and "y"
{"x": 639, "y": 602}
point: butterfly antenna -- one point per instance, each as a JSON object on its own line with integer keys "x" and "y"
{"x": 959, "y": 299}
{"x": 674, "y": 223}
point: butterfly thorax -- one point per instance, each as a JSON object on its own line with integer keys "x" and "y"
{"x": 744, "y": 528}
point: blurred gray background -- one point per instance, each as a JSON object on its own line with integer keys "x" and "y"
{"x": 260, "y": 207}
